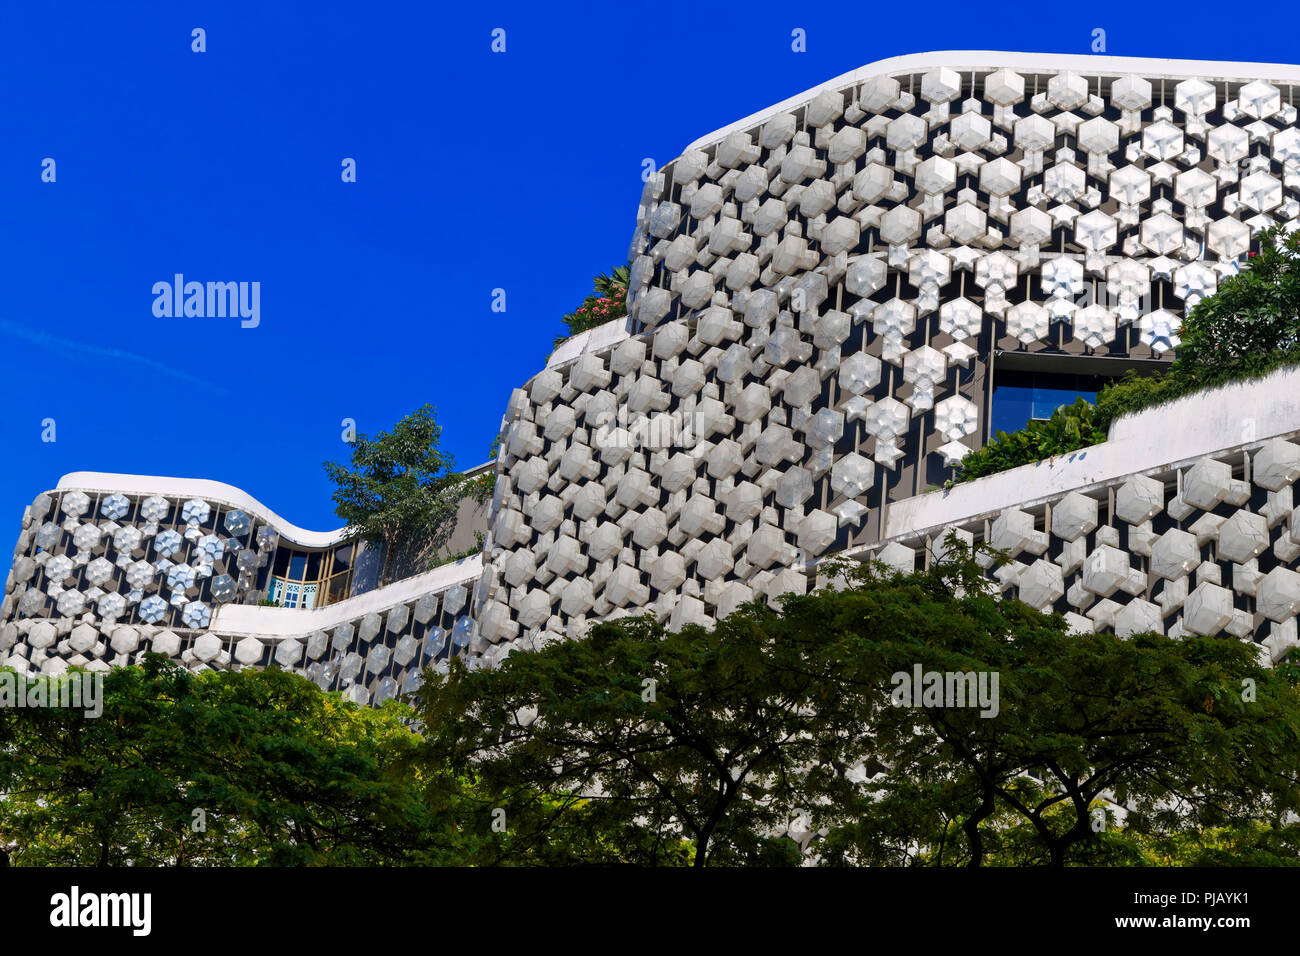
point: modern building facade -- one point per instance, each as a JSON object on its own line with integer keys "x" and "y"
{"x": 832, "y": 302}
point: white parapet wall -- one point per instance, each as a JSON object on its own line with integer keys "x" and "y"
{"x": 1216, "y": 421}
{"x": 1184, "y": 522}
{"x": 276, "y": 623}
{"x": 598, "y": 340}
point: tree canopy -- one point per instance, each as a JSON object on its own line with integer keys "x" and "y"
{"x": 400, "y": 489}
{"x": 1252, "y": 316}
{"x": 221, "y": 768}
{"x": 723, "y": 740}
{"x": 803, "y": 733}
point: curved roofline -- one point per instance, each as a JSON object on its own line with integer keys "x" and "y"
{"x": 1085, "y": 63}
{"x": 101, "y": 482}
{"x": 98, "y": 482}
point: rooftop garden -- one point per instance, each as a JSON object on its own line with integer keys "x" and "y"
{"x": 1248, "y": 328}
{"x": 608, "y": 301}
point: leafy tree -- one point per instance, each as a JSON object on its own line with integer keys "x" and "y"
{"x": 221, "y": 768}
{"x": 607, "y": 302}
{"x": 524, "y": 827}
{"x": 1251, "y": 316}
{"x": 485, "y": 484}
{"x": 401, "y": 489}
{"x": 694, "y": 740}
{"x": 1160, "y": 725}
{"x": 715, "y": 737}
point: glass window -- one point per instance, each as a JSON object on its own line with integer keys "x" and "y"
{"x": 343, "y": 558}
{"x": 338, "y": 589}
{"x": 301, "y": 581}
{"x": 1012, "y": 407}
{"x": 1047, "y": 400}
{"x": 1021, "y": 397}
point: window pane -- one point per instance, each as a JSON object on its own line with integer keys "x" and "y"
{"x": 338, "y": 587}
{"x": 343, "y": 558}
{"x": 313, "y": 566}
{"x": 282, "y": 561}
{"x": 1011, "y": 408}
{"x": 297, "y": 565}
{"x": 1023, "y": 396}
{"x": 1048, "y": 400}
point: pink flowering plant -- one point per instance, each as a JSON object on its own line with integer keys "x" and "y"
{"x": 607, "y": 302}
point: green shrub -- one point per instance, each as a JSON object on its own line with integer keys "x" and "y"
{"x": 1249, "y": 327}
{"x": 1070, "y": 428}
{"x": 1136, "y": 393}
{"x": 437, "y": 562}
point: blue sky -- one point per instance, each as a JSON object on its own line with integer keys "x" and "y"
{"x": 475, "y": 171}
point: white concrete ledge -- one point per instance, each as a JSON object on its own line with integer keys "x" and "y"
{"x": 600, "y": 338}
{"x": 1157, "y": 439}
{"x": 277, "y": 623}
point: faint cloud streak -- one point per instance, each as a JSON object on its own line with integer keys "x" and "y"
{"x": 45, "y": 340}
